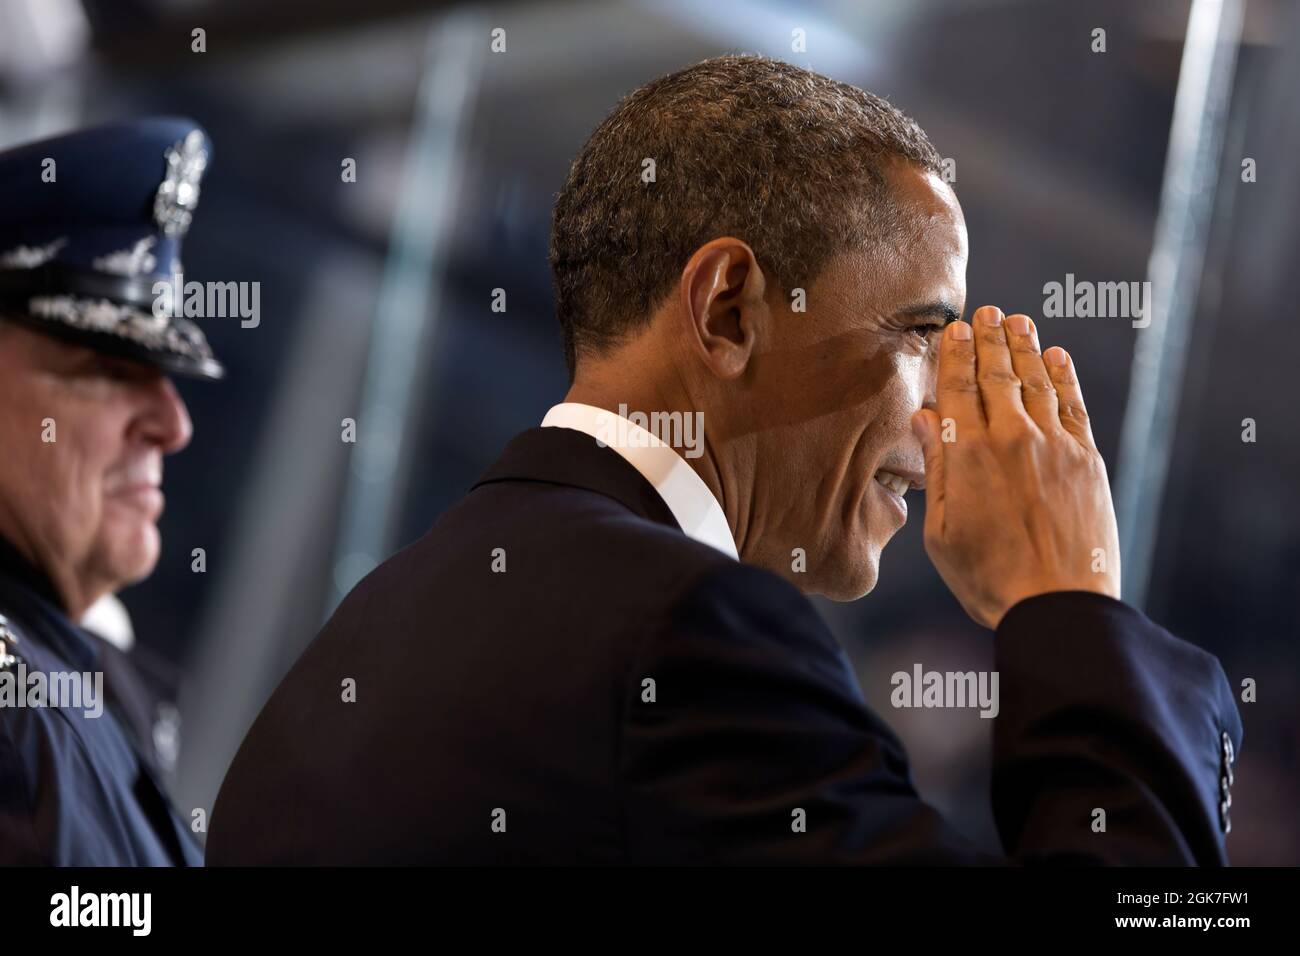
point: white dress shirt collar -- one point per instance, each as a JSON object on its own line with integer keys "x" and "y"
{"x": 683, "y": 491}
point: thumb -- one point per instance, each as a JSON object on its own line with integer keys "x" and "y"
{"x": 925, "y": 425}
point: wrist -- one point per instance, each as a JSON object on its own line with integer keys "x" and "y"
{"x": 1107, "y": 592}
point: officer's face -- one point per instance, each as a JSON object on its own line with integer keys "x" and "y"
{"x": 80, "y": 481}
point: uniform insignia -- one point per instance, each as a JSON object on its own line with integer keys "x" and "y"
{"x": 7, "y": 639}
{"x": 167, "y": 736}
{"x": 179, "y": 336}
{"x": 137, "y": 260}
{"x": 31, "y": 257}
{"x": 178, "y": 195}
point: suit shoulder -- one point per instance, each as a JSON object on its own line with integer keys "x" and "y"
{"x": 563, "y": 537}
{"x": 741, "y": 606}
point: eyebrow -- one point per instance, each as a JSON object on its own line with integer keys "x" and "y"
{"x": 943, "y": 311}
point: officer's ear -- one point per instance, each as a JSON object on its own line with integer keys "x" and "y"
{"x": 723, "y": 304}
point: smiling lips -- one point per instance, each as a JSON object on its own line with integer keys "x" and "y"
{"x": 901, "y": 479}
{"x": 895, "y": 483}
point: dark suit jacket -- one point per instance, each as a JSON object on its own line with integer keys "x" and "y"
{"x": 517, "y": 696}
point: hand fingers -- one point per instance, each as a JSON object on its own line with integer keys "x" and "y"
{"x": 1036, "y": 390}
{"x": 926, "y": 427}
{"x": 957, "y": 393}
{"x": 1069, "y": 396}
{"x": 999, "y": 384}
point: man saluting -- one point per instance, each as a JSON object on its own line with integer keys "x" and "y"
{"x": 602, "y": 653}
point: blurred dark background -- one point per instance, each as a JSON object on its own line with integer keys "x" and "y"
{"x": 376, "y": 301}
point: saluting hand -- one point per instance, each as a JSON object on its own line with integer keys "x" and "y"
{"x": 1017, "y": 498}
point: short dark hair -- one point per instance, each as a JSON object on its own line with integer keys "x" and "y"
{"x": 789, "y": 161}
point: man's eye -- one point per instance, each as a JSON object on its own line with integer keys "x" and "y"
{"x": 927, "y": 330}
{"x": 107, "y": 368}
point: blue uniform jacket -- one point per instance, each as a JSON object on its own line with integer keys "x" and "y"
{"x": 76, "y": 788}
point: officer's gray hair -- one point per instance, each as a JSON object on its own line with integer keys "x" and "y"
{"x": 789, "y": 161}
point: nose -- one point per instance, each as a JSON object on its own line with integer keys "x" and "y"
{"x": 164, "y": 420}
{"x": 930, "y": 384}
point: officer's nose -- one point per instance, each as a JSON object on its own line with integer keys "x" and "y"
{"x": 163, "y": 419}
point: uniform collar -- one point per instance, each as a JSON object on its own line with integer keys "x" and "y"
{"x": 15, "y": 567}
{"x": 30, "y": 602}
{"x": 692, "y": 504}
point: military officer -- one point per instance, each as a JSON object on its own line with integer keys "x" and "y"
{"x": 89, "y": 222}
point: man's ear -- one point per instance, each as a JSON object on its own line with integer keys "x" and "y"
{"x": 724, "y": 306}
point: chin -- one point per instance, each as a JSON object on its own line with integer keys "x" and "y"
{"x": 129, "y": 551}
{"x": 849, "y": 571}
{"x": 854, "y": 581}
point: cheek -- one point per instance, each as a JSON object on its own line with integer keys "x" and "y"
{"x": 893, "y": 404}
{"x": 89, "y": 450}
{"x": 849, "y": 443}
